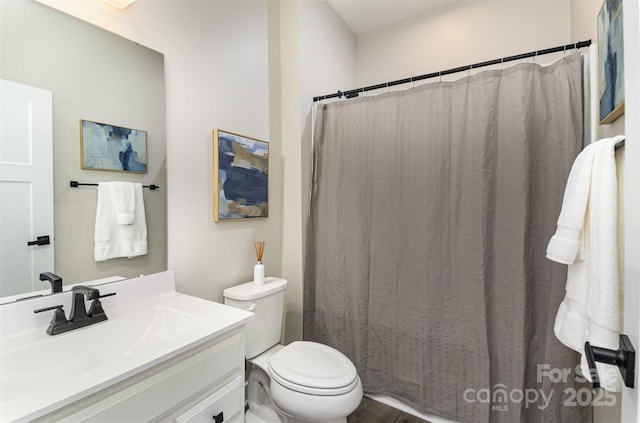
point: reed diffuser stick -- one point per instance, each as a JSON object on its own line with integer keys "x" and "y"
{"x": 259, "y": 246}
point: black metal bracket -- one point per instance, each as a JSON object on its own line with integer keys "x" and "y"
{"x": 624, "y": 358}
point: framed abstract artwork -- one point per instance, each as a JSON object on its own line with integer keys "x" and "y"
{"x": 111, "y": 147}
{"x": 610, "y": 61}
{"x": 241, "y": 176}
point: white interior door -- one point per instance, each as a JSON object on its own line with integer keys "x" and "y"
{"x": 26, "y": 187}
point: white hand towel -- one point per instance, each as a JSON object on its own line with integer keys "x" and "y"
{"x": 113, "y": 239}
{"x": 590, "y": 310}
{"x": 124, "y": 199}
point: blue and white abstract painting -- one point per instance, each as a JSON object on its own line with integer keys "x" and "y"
{"x": 241, "y": 176}
{"x": 610, "y": 61}
{"x": 111, "y": 147}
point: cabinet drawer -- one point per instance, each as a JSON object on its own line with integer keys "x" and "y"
{"x": 220, "y": 407}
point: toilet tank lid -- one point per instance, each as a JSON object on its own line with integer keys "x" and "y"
{"x": 250, "y": 291}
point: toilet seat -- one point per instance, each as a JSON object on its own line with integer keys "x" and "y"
{"x": 313, "y": 368}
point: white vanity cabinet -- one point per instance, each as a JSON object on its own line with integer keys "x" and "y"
{"x": 161, "y": 356}
{"x": 203, "y": 384}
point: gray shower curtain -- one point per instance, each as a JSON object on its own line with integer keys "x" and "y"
{"x": 430, "y": 214}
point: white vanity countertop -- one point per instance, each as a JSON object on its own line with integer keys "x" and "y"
{"x": 149, "y": 322}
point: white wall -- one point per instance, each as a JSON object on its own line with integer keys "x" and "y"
{"x": 631, "y": 10}
{"x": 459, "y": 34}
{"x": 318, "y": 55}
{"x": 217, "y": 76}
{"x": 584, "y": 26}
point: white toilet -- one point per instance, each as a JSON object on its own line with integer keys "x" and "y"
{"x": 298, "y": 383}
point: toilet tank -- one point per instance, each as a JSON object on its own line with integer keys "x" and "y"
{"x": 267, "y": 302}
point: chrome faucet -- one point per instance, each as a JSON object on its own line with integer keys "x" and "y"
{"x": 79, "y": 316}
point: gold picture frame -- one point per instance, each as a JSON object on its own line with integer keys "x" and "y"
{"x": 241, "y": 177}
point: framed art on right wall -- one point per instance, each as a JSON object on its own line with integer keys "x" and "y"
{"x": 241, "y": 177}
{"x": 610, "y": 61}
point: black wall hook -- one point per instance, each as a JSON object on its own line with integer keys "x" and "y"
{"x": 624, "y": 358}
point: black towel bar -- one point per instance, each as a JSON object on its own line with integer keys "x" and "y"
{"x": 76, "y": 184}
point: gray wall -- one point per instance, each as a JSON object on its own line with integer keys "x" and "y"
{"x": 99, "y": 76}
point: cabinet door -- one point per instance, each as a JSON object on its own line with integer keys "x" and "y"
{"x": 224, "y": 405}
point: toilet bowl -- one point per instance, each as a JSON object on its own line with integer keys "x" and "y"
{"x": 303, "y": 382}
{"x": 314, "y": 382}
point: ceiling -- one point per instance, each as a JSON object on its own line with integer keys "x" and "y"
{"x": 365, "y": 16}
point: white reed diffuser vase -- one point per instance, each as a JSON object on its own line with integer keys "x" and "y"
{"x": 258, "y": 273}
{"x": 258, "y": 269}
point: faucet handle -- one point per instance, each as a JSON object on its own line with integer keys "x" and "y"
{"x": 96, "y": 306}
{"x": 59, "y": 318}
{"x": 40, "y": 310}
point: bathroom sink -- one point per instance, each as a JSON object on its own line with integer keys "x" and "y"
{"x": 80, "y": 353}
{"x": 40, "y": 373}
{"x": 147, "y": 329}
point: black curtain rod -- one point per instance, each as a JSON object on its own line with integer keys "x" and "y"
{"x": 354, "y": 93}
{"x": 76, "y": 184}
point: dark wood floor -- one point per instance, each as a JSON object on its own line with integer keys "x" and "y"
{"x": 371, "y": 411}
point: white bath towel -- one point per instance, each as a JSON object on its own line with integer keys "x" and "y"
{"x": 113, "y": 239}
{"x": 567, "y": 244}
{"x": 590, "y": 310}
